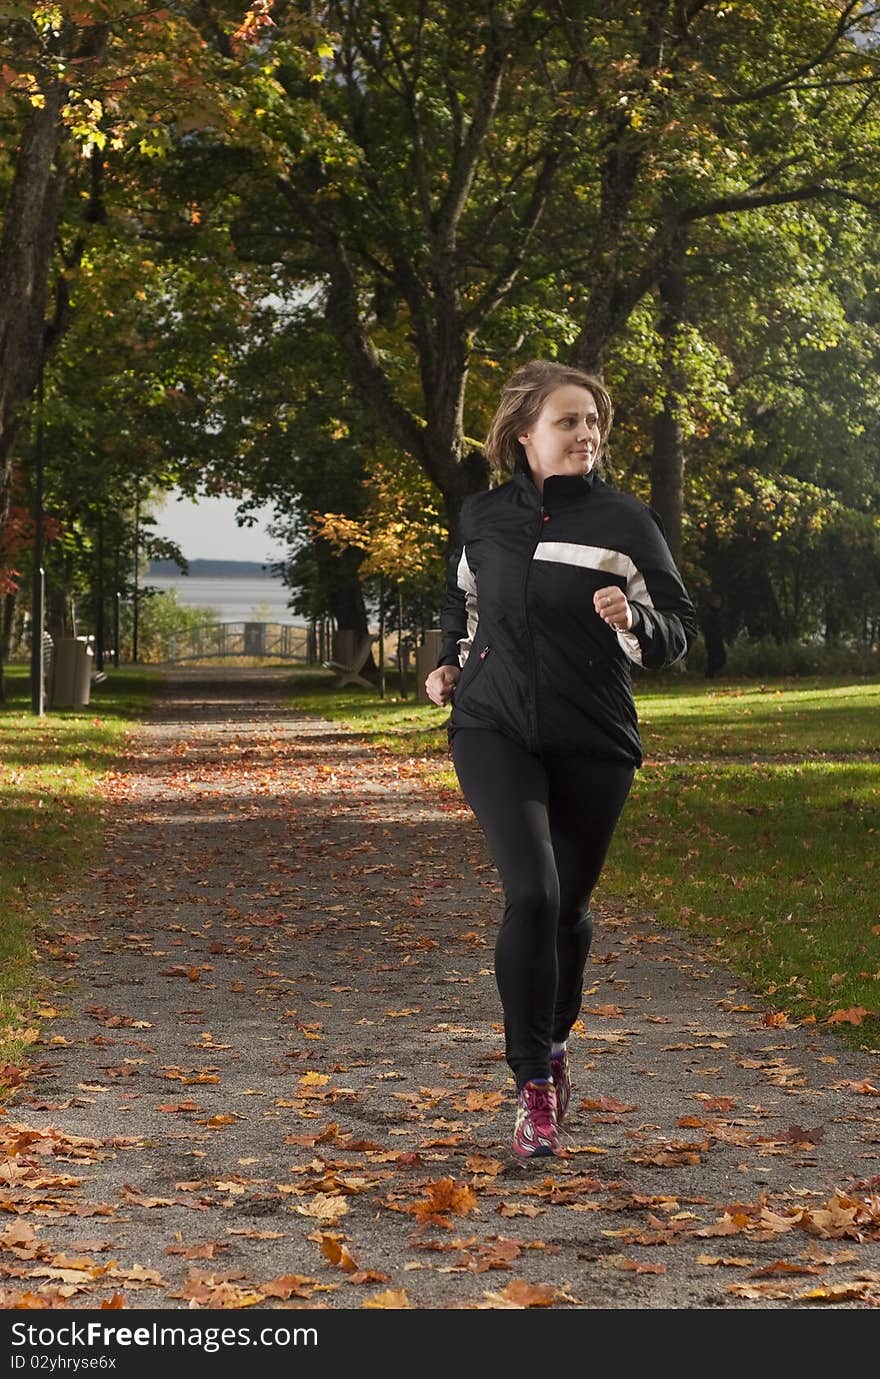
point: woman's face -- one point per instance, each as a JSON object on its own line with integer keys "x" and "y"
{"x": 564, "y": 439}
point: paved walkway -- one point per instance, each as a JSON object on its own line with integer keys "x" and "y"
{"x": 274, "y": 1078}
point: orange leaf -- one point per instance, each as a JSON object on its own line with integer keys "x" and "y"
{"x": 445, "y": 1195}
{"x": 337, "y": 1253}
{"x": 606, "y": 1103}
{"x": 523, "y": 1294}
{"x": 391, "y": 1298}
{"x": 853, "y": 1016}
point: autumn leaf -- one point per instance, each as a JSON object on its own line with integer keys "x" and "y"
{"x": 728, "y": 1224}
{"x": 478, "y": 1101}
{"x": 835, "y": 1292}
{"x": 864, "y": 1088}
{"x": 519, "y": 1293}
{"x": 444, "y": 1195}
{"x": 719, "y": 1105}
{"x": 855, "y": 1015}
{"x": 481, "y": 1163}
{"x": 289, "y": 1286}
{"x": 391, "y": 1298}
{"x": 634, "y": 1266}
{"x": 323, "y": 1206}
{"x": 204, "y": 1251}
{"x": 333, "y": 1249}
{"x": 606, "y": 1103}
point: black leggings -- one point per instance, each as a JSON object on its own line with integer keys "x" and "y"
{"x": 548, "y": 821}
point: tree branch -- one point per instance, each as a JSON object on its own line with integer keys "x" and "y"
{"x": 773, "y": 88}
{"x": 343, "y": 308}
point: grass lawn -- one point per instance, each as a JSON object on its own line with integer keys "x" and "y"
{"x": 50, "y": 816}
{"x": 753, "y": 822}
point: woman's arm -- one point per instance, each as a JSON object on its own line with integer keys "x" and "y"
{"x": 458, "y": 621}
{"x": 664, "y": 623}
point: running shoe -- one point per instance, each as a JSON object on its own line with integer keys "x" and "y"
{"x": 535, "y": 1130}
{"x": 560, "y": 1071}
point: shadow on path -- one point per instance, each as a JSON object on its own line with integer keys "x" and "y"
{"x": 275, "y": 1077}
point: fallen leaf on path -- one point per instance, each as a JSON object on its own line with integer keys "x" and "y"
{"x": 606, "y": 1103}
{"x": 444, "y": 1195}
{"x": 289, "y": 1286}
{"x": 391, "y": 1298}
{"x": 785, "y": 1266}
{"x": 836, "y": 1292}
{"x": 323, "y": 1206}
{"x": 337, "y": 1252}
{"x": 634, "y": 1266}
{"x": 519, "y": 1293}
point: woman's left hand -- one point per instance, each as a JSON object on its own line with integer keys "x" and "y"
{"x": 612, "y": 606}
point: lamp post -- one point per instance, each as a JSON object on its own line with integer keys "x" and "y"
{"x": 137, "y": 551}
{"x": 100, "y": 598}
{"x": 117, "y": 601}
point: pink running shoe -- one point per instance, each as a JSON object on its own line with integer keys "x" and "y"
{"x": 560, "y": 1071}
{"x": 535, "y": 1130}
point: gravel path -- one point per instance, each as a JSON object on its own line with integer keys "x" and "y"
{"x": 274, "y": 1076}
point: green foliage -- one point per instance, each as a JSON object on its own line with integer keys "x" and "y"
{"x": 211, "y": 342}
{"x": 758, "y": 658}
{"x": 164, "y": 623}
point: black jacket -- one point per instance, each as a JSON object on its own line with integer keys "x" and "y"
{"x": 540, "y": 665}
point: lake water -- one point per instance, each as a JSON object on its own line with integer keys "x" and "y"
{"x": 257, "y": 598}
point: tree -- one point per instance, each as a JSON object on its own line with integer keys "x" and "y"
{"x": 401, "y": 536}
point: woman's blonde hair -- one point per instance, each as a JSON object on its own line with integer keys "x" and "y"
{"x": 522, "y": 398}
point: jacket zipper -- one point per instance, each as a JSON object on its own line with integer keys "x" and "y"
{"x": 533, "y": 669}
{"x": 481, "y": 658}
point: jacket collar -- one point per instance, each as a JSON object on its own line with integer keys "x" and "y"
{"x": 558, "y": 488}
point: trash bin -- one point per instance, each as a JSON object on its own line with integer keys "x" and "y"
{"x": 426, "y": 660}
{"x": 72, "y": 677}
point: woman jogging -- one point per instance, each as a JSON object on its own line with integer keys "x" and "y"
{"x": 557, "y": 583}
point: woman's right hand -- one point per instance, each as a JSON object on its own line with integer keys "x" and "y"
{"x": 440, "y": 684}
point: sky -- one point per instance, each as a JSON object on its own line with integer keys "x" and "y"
{"x": 206, "y": 529}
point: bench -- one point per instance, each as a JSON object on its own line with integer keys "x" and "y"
{"x": 351, "y": 660}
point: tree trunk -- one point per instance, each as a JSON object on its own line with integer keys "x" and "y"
{"x": 7, "y": 619}
{"x": 350, "y": 613}
{"x": 667, "y": 459}
{"x": 26, "y": 250}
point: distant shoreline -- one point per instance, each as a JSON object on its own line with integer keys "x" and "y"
{"x": 251, "y": 595}
{"x": 213, "y": 569}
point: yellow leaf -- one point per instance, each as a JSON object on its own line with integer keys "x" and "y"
{"x": 391, "y": 1298}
